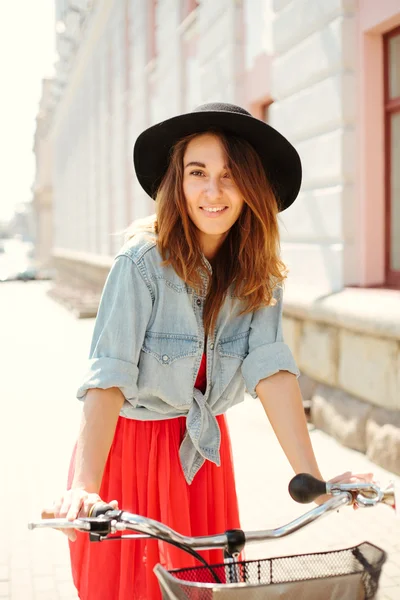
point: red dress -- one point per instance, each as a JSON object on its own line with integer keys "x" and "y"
{"x": 144, "y": 474}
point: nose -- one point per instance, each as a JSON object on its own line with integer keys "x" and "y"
{"x": 213, "y": 190}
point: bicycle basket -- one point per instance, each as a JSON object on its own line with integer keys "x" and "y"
{"x": 350, "y": 574}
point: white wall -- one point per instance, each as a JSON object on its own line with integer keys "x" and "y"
{"x": 219, "y": 50}
{"x": 314, "y": 90}
{"x": 257, "y": 16}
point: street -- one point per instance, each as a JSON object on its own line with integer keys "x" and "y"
{"x": 43, "y": 351}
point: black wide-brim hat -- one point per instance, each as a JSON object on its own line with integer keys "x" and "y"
{"x": 281, "y": 162}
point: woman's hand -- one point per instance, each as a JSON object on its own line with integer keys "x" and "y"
{"x": 347, "y": 477}
{"x": 73, "y": 504}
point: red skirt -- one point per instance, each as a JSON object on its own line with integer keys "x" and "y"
{"x": 144, "y": 474}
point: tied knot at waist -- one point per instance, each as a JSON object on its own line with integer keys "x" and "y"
{"x": 202, "y": 439}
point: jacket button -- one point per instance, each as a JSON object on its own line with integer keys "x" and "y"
{"x": 165, "y": 358}
{"x": 198, "y": 302}
{"x": 212, "y": 346}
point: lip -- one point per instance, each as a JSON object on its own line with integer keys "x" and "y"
{"x": 214, "y": 215}
{"x": 222, "y": 208}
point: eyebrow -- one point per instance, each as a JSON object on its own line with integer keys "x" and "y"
{"x": 195, "y": 163}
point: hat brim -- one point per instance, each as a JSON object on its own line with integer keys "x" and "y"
{"x": 280, "y": 159}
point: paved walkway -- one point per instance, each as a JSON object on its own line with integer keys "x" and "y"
{"x": 42, "y": 355}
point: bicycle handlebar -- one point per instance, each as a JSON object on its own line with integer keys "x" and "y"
{"x": 104, "y": 519}
{"x": 114, "y": 521}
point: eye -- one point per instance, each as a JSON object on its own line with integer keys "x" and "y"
{"x": 196, "y": 173}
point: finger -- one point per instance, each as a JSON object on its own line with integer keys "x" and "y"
{"x": 89, "y": 502}
{"x": 66, "y": 504}
{"x": 75, "y": 506}
{"x": 114, "y": 504}
{"x": 350, "y": 477}
{"x": 364, "y": 477}
{"x": 57, "y": 504}
{"x": 70, "y": 533}
{"x": 85, "y": 508}
{"x": 341, "y": 478}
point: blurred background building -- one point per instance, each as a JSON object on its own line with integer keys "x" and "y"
{"x": 42, "y": 186}
{"x": 324, "y": 73}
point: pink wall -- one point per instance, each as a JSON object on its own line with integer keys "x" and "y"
{"x": 379, "y": 16}
{"x": 258, "y": 85}
{"x": 374, "y": 19}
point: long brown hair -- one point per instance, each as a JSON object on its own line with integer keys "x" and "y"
{"x": 248, "y": 259}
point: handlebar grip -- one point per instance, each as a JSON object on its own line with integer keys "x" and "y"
{"x": 100, "y": 508}
{"x": 304, "y": 488}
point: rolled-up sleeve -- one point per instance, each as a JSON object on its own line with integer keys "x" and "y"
{"x": 123, "y": 315}
{"x": 268, "y": 353}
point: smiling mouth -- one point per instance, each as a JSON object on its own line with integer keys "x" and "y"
{"x": 213, "y": 210}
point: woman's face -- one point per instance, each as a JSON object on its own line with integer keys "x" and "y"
{"x": 214, "y": 202}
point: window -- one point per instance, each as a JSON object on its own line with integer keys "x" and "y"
{"x": 392, "y": 158}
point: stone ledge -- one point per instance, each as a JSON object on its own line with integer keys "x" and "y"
{"x": 317, "y": 355}
{"x": 80, "y": 281}
{"x": 341, "y": 415}
{"x": 97, "y": 260}
{"x": 82, "y": 303}
{"x": 369, "y": 311}
{"x": 384, "y": 446}
{"x": 358, "y": 425}
{"x": 367, "y": 367}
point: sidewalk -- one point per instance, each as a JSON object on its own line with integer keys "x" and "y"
{"x": 43, "y": 350}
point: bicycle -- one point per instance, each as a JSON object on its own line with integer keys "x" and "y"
{"x": 348, "y": 574}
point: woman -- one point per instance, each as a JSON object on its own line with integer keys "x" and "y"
{"x": 190, "y": 316}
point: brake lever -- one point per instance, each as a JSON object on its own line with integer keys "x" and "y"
{"x": 101, "y": 525}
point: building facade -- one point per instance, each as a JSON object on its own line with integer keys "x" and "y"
{"x": 42, "y": 189}
{"x": 327, "y": 75}
{"x": 335, "y": 85}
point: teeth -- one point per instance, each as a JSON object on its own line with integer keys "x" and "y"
{"x": 213, "y": 209}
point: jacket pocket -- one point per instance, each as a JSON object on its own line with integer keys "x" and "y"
{"x": 236, "y": 346}
{"x": 167, "y": 348}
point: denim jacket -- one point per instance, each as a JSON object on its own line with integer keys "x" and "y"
{"x": 149, "y": 339}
